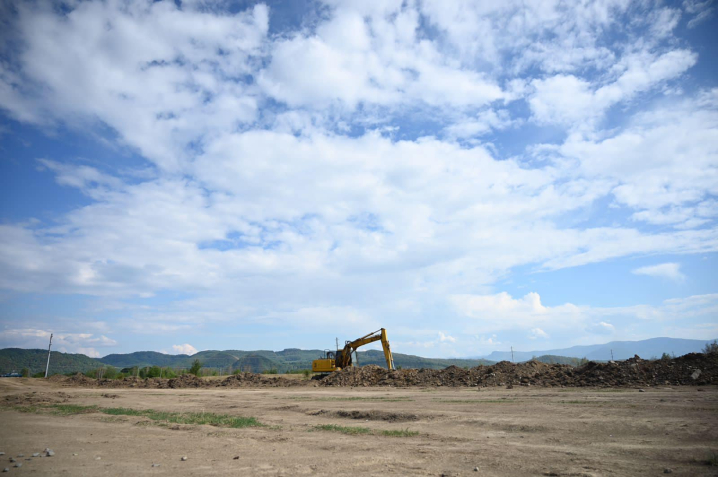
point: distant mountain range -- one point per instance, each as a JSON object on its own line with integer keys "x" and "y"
{"x": 15, "y": 359}
{"x": 646, "y": 349}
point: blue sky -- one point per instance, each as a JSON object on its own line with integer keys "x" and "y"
{"x": 182, "y": 176}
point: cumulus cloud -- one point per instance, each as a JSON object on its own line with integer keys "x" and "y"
{"x": 538, "y": 333}
{"x": 184, "y": 349}
{"x": 85, "y": 343}
{"x": 671, "y": 271}
{"x": 356, "y": 165}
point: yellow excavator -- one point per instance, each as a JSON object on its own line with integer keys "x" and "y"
{"x": 342, "y": 358}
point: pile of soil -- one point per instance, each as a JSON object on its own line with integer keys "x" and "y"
{"x": 691, "y": 369}
{"x": 253, "y": 379}
{"x": 188, "y": 381}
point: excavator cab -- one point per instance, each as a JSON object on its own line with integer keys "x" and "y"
{"x": 325, "y": 364}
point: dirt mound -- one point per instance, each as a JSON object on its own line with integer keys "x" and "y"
{"x": 253, "y": 379}
{"x": 188, "y": 381}
{"x": 79, "y": 380}
{"x": 691, "y": 369}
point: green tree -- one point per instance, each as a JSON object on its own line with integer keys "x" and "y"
{"x": 25, "y": 372}
{"x": 711, "y": 348}
{"x": 154, "y": 372}
{"x": 196, "y": 367}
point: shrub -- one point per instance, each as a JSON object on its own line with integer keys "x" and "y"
{"x": 25, "y": 372}
{"x": 154, "y": 372}
{"x": 40, "y": 374}
{"x": 196, "y": 367}
{"x": 270, "y": 371}
{"x": 711, "y": 348}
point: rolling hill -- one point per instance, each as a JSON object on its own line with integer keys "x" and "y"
{"x": 15, "y": 359}
{"x": 228, "y": 360}
{"x": 646, "y": 349}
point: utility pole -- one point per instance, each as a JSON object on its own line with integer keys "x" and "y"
{"x": 512, "y": 354}
{"x": 611, "y": 355}
{"x": 47, "y": 367}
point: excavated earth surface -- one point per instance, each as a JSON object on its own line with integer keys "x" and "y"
{"x": 398, "y": 430}
{"x": 692, "y": 369}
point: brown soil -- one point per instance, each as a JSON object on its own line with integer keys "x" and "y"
{"x": 691, "y": 369}
{"x": 502, "y": 432}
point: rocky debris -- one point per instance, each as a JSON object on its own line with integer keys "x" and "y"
{"x": 155, "y": 465}
{"x": 21, "y": 455}
{"x": 188, "y": 381}
{"x": 184, "y": 458}
{"x": 12, "y": 459}
{"x": 629, "y": 373}
{"x": 691, "y": 369}
{"x": 18, "y": 464}
{"x": 49, "y": 452}
{"x": 261, "y": 380}
{"x": 36, "y": 454}
{"x": 667, "y": 471}
{"x": 6, "y": 469}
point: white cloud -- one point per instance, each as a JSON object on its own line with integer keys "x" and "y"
{"x": 701, "y": 9}
{"x": 91, "y": 352}
{"x": 443, "y": 337}
{"x": 184, "y": 349}
{"x": 352, "y": 164}
{"x": 569, "y": 100}
{"x": 84, "y": 343}
{"x": 578, "y": 324}
{"x": 602, "y": 328}
{"x": 538, "y": 333}
{"x": 672, "y": 271}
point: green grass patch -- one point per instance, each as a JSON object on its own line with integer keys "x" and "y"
{"x": 352, "y": 431}
{"x": 202, "y": 418}
{"x": 160, "y": 417}
{"x": 400, "y": 433}
{"x": 71, "y": 409}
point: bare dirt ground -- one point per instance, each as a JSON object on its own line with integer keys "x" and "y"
{"x": 520, "y": 431}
